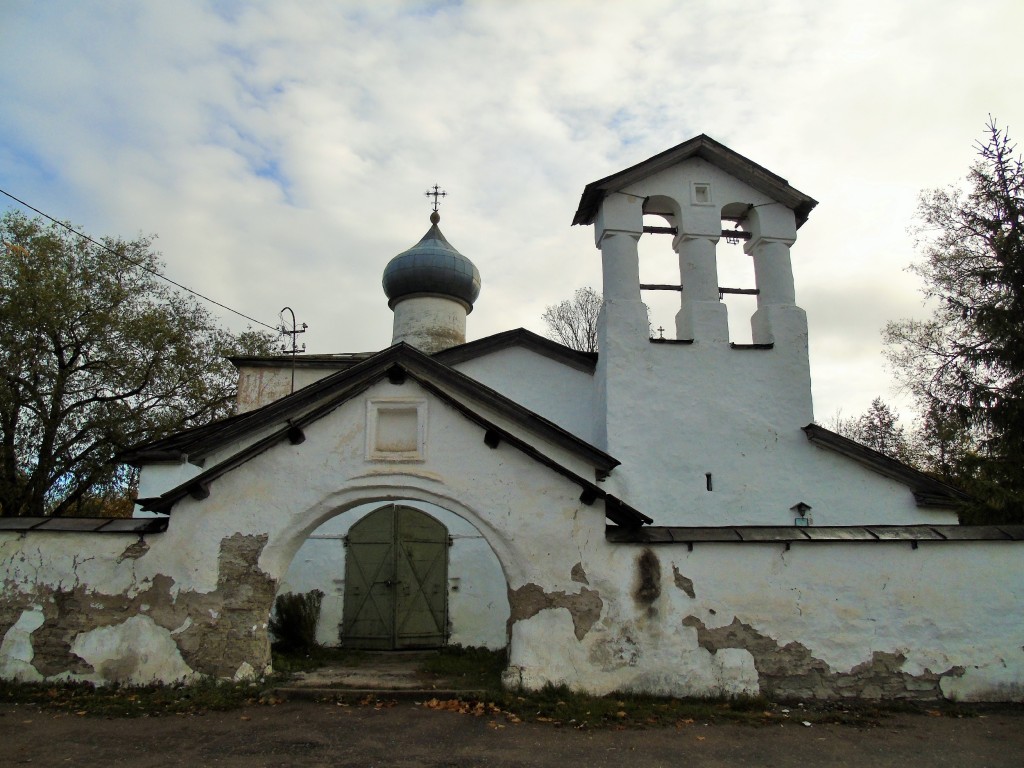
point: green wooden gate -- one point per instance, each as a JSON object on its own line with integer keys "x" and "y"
{"x": 396, "y": 578}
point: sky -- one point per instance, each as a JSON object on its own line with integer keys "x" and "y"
{"x": 280, "y": 150}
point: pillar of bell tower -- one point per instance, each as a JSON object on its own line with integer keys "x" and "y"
{"x": 617, "y": 230}
{"x": 778, "y": 320}
{"x": 702, "y": 316}
{"x": 622, "y": 330}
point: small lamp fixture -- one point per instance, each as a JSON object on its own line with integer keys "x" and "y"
{"x": 801, "y": 509}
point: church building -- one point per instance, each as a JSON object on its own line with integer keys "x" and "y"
{"x": 662, "y": 516}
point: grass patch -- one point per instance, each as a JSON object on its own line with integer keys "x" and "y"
{"x": 123, "y": 701}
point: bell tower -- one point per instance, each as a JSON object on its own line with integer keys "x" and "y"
{"x": 700, "y": 382}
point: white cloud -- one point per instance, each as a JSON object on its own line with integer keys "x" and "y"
{"x": 280, "y": 149}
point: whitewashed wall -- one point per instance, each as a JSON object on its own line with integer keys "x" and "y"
{"x": 557, "y": 392}
{"x": 819, "y": 620}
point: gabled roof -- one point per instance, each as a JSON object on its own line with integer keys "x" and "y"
{"x": 339, "y": 386}
{"x": 733, "y": 163}
{"x": 519, "y": 337}
{"x": 293, "y": 413}
{"x": 928, "y": 492}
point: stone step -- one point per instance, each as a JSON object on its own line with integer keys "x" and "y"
{"x": 310, "y": 693}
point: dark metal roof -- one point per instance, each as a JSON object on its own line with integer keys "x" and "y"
{"x": 330, "y": 362}
{"x": 519, "y": 337}
{"x": 136, "y": 525}
{"x": 432, "y": 266}
{"x": 928, "y": 492}
{"x": 178, "y": 446}
{"x": 733, "y": 163}
{"x": 763, "y": 534}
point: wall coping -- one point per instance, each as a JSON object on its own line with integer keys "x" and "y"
{"x": 134, "y": 525}
{"x": 786, "y": 534}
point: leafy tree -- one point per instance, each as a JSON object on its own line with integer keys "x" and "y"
{"x": 965, "y": 364}
{"x": 879, "y": 429}
{"x": 573, "y": 322}
{"x": 95, "y": 354}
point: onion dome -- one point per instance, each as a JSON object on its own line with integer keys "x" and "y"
{"x": 432, "y": 266}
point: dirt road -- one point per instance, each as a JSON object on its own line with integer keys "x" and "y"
{"x": 311, "y": 734}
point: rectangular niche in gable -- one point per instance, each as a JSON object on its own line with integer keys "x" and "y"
{"x": 396, "y": 430}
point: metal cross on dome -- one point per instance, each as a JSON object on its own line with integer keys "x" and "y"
{"x": 436, "y": 192}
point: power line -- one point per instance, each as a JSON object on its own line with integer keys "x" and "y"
{"x": 143, "y": 267}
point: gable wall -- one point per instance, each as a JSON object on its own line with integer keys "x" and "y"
{"x": 554, "y": 390}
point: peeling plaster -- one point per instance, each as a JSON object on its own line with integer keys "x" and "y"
{"x": 791, "y": 671}
{"x": 81, "y": 632}
{"x": 135, "y": 652}
{"x": 16, "y": 649}
{"x": 579, "y": 575}
{"x": 530, "y": 599}
{"x": 683, "y": 583}
{"x": 134, "y": 551}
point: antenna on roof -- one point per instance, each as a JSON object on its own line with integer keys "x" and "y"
{"x": 294, "y": 333}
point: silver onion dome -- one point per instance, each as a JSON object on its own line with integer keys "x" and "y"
{"x": 432, "y": 266}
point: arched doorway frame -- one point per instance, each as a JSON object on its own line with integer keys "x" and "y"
{"x": 284, "y": 543}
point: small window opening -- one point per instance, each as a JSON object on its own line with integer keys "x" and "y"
{"x": 707, "y": 480}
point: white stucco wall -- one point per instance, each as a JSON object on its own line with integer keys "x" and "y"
{"x": 556, "y": 391}
{"x": 869, "y": 619}
{"x": 837, "y": 604}
{"x": 677, "y": 413}
{"x": 159, "y": 477}
{"x": 477, "y": 597}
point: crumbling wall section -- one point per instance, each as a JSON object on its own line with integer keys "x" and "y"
{"x": 820, "y": 621}
{"x": 791, "y": 671}
{"x": 94, "y": 617}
